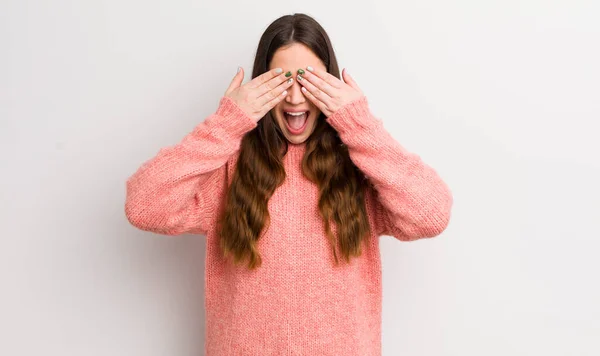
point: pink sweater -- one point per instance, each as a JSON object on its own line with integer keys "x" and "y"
{"x": 298, "y": 302}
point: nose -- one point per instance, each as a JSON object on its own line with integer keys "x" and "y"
{"x": 295, "y": 96}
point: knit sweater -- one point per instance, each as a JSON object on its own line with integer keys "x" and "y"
{"x": 298, "y": 302}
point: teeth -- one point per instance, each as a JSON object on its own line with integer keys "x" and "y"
{"x": 295, "y": 113}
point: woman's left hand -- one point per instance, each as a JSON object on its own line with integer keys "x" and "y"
{"x": 327, "y": 92}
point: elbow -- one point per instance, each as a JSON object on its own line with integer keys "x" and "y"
{"x": 147, "y": 219}
{"x": 431, "y": 223}
{"x": 436, "y": 225}
{"x": 140, "y": 216}
{"x": 438, "y": 220}
{"x": 424, "y": 219}
{"x": 141, "y": 210}
{"x": 134, "y": 209}
{"x": 136, "y": 216}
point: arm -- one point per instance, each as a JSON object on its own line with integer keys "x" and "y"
{"x": 178, "y": 190}
{"x": 412, "y": 201}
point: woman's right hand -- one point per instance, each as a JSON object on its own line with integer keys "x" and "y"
{"x": 261, "y": 94}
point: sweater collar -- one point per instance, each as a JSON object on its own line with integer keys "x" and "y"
{"x": 296, "y": 150}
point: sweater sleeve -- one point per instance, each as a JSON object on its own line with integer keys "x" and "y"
{"x": 178, "y": 190}
{"x": 411, "y": 200}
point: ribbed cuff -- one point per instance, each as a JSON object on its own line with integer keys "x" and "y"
{"x": 354, "y": 115}
{"x": 231, "y": 118}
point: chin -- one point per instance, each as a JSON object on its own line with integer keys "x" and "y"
{"x": 296, "y": 140}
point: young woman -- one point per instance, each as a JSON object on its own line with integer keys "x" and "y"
{"x": 289, "y": 174}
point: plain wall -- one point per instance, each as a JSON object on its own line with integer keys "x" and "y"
{"x": 500, "y": 97}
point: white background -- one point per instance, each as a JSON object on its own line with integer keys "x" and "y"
{"x": 500, "y": 97}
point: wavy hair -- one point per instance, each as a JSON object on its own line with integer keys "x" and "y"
{"x": 326, "y": 162}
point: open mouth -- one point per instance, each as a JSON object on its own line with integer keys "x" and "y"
{"x": 296, "y": 122}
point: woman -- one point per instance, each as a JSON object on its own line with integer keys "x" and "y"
{"x": 285, "y": 177}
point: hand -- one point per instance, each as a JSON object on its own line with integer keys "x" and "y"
{"x": 261, "y": 94}
{"x": 326, "y": 91}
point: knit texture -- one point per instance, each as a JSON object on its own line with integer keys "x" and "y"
{"x": 298, "y": 302}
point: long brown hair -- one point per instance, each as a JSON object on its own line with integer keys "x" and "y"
{"x": 326, "y": 162}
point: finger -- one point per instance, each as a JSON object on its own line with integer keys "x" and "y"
{"x": 266, "y": 76}
{"x": 236, "y": 81}
{"x": 271, "y": 84}
{"x": 319, "y": 83}
{"x": 325, "y": 76}
{"x": 271, "y": 104}
{"x": 349, "y": 80}
{"x": 316, "y": 101}
{"x": 275, "y": 92}
{"x": 314, "y": 90}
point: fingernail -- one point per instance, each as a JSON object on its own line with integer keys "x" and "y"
{"x": 300, "y": 71}
{"x": 299, "y": 77}
{"x": 288, "y": 73}
{"x": 278, "y": 70}
{"x": 310, "y": 69}
{"x": 290, "y": 80}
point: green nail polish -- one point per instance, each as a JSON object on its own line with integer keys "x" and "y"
{"x": 288, "y": 74}
{"x": 300, "y": 71}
